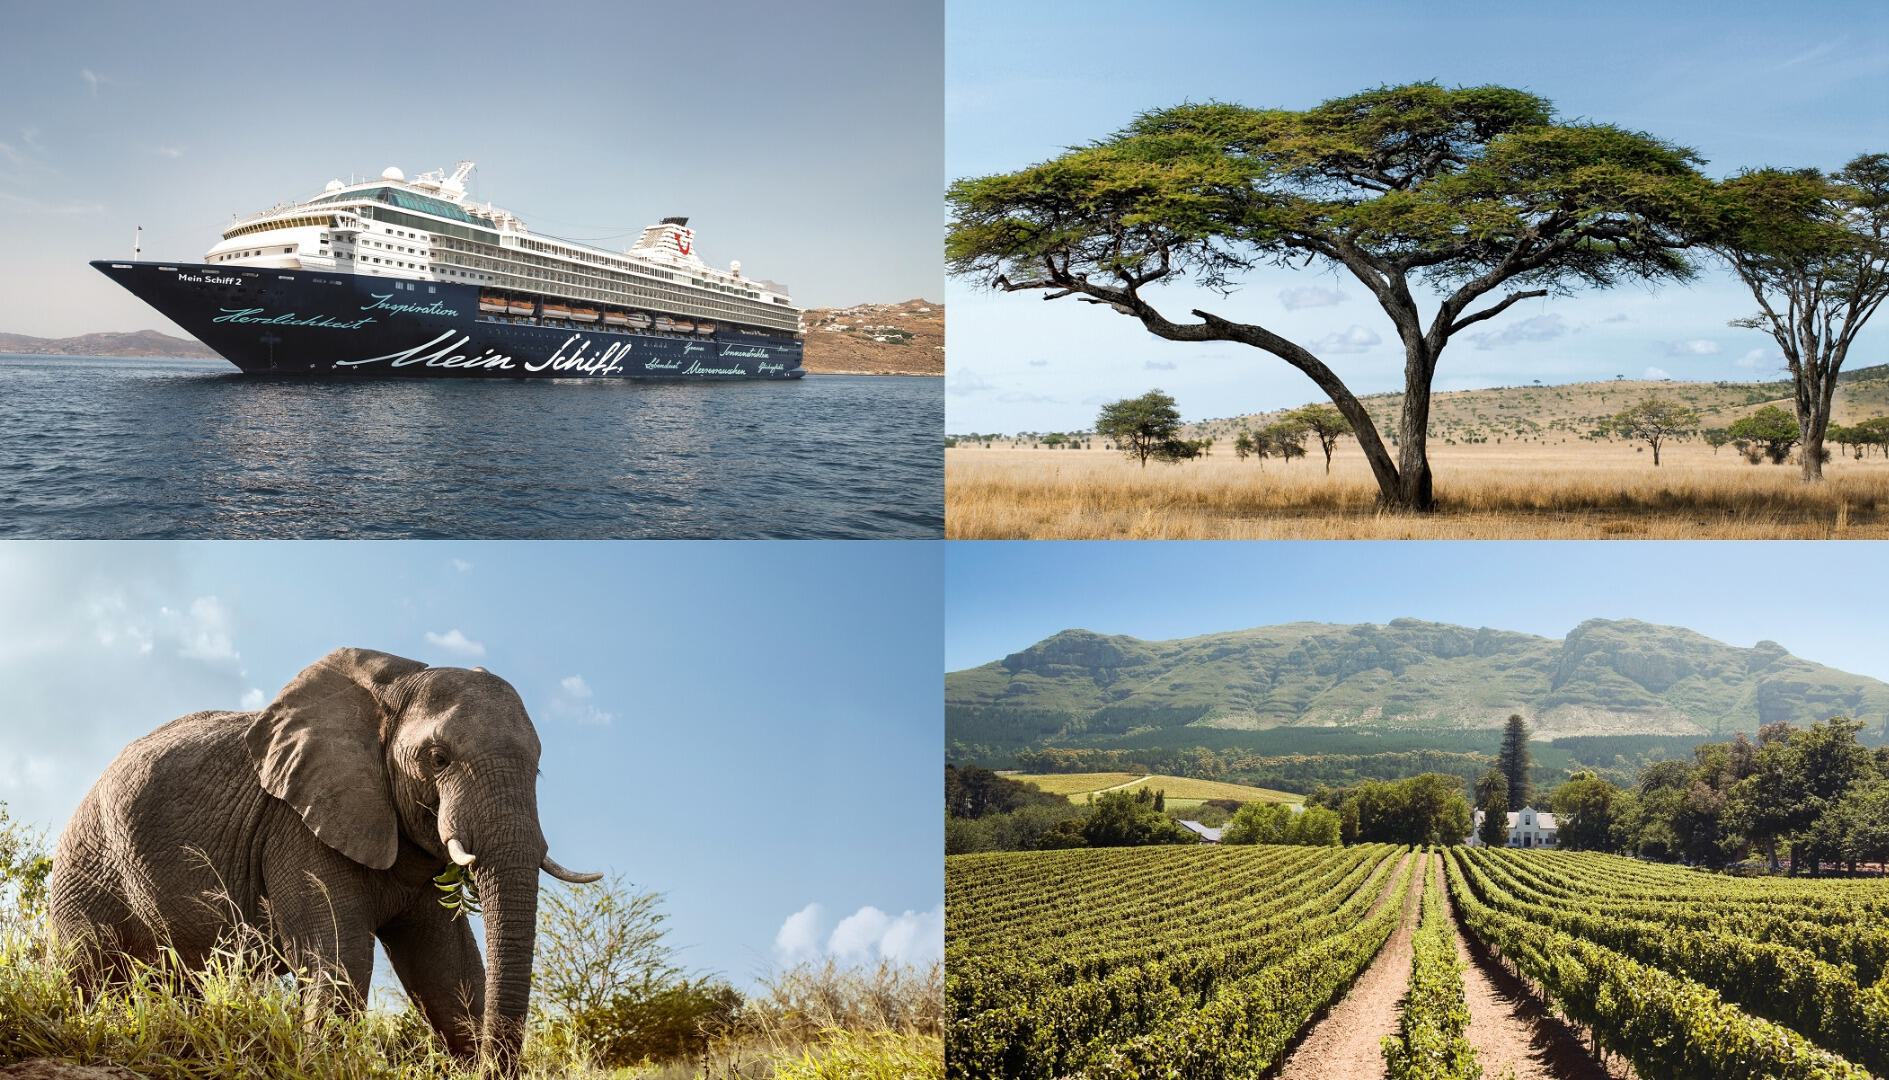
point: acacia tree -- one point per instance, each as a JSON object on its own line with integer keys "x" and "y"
{"x": 1326, "y": 424}
{"x": 1142, "y": 426}
{"x": 1770, "y": 427}
{"x": 1654, "y": 419}
{"x": 1813, "y": 248}
{"x": 1467, "y": 191}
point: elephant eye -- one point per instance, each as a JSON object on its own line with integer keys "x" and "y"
{"x": 436, "y": 757}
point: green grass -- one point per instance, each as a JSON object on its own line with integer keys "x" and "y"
{"x": 1180, "y": 790}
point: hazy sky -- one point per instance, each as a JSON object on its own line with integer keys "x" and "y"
{"x": 1743, "y": 83}
{"x": 805, "y": 142}
{"x": 752, "y": 729}
{"x": 1004, "y": 597}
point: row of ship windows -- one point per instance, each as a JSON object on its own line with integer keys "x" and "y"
{"x": 547, "y": 270}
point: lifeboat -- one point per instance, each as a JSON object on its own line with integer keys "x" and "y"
{"x": 638, "y": 320}
{"x": 556, "y": 309}
{"x": 584, "y": 314}
{"x": 684, "y": 326}
{"x": 705, "y": 328}
{"x": 615, "y": 318}
{"x": 520, "y": 306}
{"x": 492, "y": 304}
{"x": 665, "y": 323}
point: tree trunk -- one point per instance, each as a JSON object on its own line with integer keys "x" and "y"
{"x": 1413, "y": 434}
{"x": 509, "y": 895}
{"x": 1656, "y": 454}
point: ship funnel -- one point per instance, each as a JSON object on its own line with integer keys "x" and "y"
{"x": 675, "y": 221}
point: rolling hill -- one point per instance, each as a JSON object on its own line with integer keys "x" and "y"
{"x": 1180, "y": 790}
{"x": 1079, "y": 688}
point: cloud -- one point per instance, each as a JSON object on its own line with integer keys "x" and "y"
{"x": 1618, "y": 316}
{"x": 870, "y": 935}
{"x": 461, "y": 565}
{"x": 867, "y": 936}
{"x": 1039, "y": 363}
{"x": 1160, "y": 365}
{"x": 98, "y": 646}
{"x": 1655, "y": 373}
{"x": 574, "y": 701}
{"x": 798, "y": 939}
{"x": 1759, "y": 358}
{"x": 92, "y": 79}
{"x": 1538, "y": 328}
{"x": 1354, "y": 339}
{"x": 454, "y": 641}
{"x": 963, "y": 382}
{"x": 170, "y": 151}
{"x": 1309, "y": 296}
{"x": 1694, "y": 347}
{"x": 203, "y": 632}
{"x": 253, "y": 699}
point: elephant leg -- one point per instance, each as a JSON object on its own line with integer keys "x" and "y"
{"x": 437, "y": 961}
{"x": 326, "y": 936}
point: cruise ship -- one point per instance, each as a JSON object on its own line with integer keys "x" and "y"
{"x": 402, "y": 277}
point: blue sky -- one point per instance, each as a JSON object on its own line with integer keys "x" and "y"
{"x": 805, "y": 143}
{"x": 1743, "y": 83}
{"x": 1004, "y": 597}
{"x": 752, "y": 729}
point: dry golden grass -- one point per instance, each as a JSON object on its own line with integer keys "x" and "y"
{"x": 1532, "y": 491}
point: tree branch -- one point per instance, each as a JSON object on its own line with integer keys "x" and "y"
{"x": 1492, "y": 312}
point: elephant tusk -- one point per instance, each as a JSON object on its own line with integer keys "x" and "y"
{"x": 460, "y": 855}
{"x": 550, "y": 866}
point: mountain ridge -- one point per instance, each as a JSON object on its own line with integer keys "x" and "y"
{"x": 1605, "y": 676}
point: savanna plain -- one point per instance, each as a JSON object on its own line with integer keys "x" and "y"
{"x": 1525, "y": 462}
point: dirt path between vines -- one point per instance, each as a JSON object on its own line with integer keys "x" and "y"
{"x": 1346, "y": 1043}
{"x": 1513, "y": 1032}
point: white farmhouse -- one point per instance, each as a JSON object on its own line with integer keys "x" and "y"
{"x": 1528, "y": 828}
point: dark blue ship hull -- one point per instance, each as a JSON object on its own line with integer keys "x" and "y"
{"x": 293, "y": 322}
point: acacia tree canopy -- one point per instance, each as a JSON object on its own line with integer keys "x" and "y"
{"x": 1464, "y": 190}
{"x": 1813, "y": 248}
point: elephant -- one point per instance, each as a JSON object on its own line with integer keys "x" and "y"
{"x": 321, "y": 820}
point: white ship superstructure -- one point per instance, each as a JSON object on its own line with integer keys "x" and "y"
{"x": 426, "y": 230}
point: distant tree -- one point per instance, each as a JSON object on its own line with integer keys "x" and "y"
{"x": 1772, "y": 429}
{"x": 1472, "y": 191}
{"x": 1864, "y": 818}
{"x": 1326, "y": 424}
{"x": 1813, "y": 248}
{"x": 1245, "y": 446}
{"x": 1140, "y": 425}
{"x": 1514, "y": 761}
{"x": 1584, "y": 808}
{"x": 1492, "y": 798}
{"x": 972, "y": 792}
{"x": 1653, "y": 419}
{"x": 1258, "y": 823}
{"x": 1161, "y": 801}
{"x": 1315, "y": 826}
{"x": 1284, "y": 438}
{"x": 1716, "y": 437}
{"x": 1124, "y": 819}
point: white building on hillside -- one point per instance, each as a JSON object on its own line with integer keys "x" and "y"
{"x": 1528, "y": 828}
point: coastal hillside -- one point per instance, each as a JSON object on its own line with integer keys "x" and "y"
{"x": 876, "y": 339}
{"x": 136, "y": 343}
{"x": 1606, "y": 677}
{"x": 1553, "y": 414}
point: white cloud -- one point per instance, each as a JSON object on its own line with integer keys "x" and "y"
{"x": 1757, "y": 358}
{"x": 1160, "y": 365}
{"x": 204, "y": 632}
{"x": 867, "y": 936}
{"x": 1538, "y": 328}
{"x": 1616, "y": 317}
{"x": 1039, "y": 363}
{"x": 1655, "y": 373}
{"x": 1353, "y": 339}
{"x": 963, "y": 382}
{"x": 1309, "y": 296}
{"x": 462, "y": 566}
{"x": 254, "y": 699}
{"x": 454, "y": 641}
{"x": 1694, "y": 347}
{"x": 798, "y": 939}
{"x": 575, "y": 701}
{"x": 92, "y": 79}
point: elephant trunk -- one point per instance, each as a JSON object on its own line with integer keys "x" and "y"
{"x": 508, "y": 893}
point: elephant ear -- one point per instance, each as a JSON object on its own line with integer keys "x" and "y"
{"x": 318, "y": 747}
